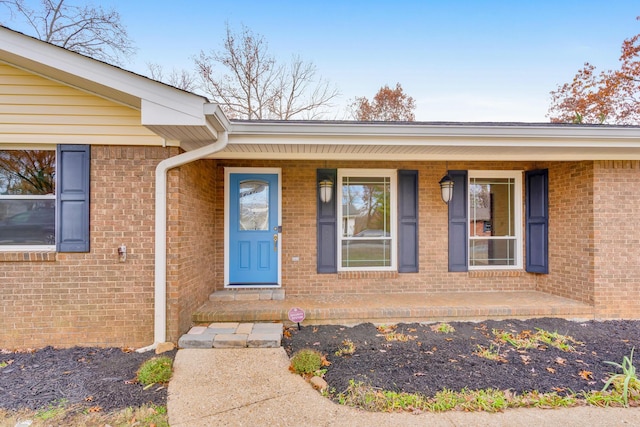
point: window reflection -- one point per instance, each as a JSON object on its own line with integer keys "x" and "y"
{"x": 254, "y": 205}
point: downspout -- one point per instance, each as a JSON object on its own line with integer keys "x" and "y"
{"x": 160, "y": 285}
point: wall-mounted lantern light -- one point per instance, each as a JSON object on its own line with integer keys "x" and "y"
{"x": 446, "y": 188}
{"x": 326, "y": 190}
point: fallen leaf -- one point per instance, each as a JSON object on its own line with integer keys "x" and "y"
{"x": 525, "y": 359}
{"x": 95, "y": 409}
{"x": 316, "y": 343}
{"x": 419, "y": 374}
{"x": 625, "y": 340}
{"x": 448, "y": 339}
{"x": 411, "y": 330}
{"x": 88, "y": 399}
{"x": 287, "y": 334}
{"x": 453, "y": 361}
{"x": 552, "y": 370}
{"x": 586, "y": 375}
{"x": 561, "y": 361}
{"x": 557, "y": 389}
{"x": 324, "y": 361}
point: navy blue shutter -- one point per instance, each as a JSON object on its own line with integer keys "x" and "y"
{"x": 407, "y": 221}
{"x": 72, "y": 201}
{"x": 537, "y": 220}
{"x": 458, "y": 223}
{"x": 327, "y": 222}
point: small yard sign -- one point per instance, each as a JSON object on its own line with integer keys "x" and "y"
{"x": 296, "y": 315}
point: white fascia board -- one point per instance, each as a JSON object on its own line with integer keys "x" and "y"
{"x": 92, "y": 75}
{"x": 437, "y": 130}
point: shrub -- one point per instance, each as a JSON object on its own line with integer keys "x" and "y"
{"x": 306, "y": 361}
{"x": 155, "y": 370}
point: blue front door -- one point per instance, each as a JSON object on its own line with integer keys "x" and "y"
{"x": 253, "y": 229}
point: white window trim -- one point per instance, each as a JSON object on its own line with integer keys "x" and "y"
{"x": 518, "y": 222}
{"x": 392, "y": 174}
{"x": 28, "y": 248}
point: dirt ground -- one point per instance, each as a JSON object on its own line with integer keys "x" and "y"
{"x": 429, "y": 361}
{"x": 96, "y": 379}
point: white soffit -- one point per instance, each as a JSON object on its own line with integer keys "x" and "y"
{"x": 427, "y": 141}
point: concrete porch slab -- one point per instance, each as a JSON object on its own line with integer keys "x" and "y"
{"x": 402, "y": 307}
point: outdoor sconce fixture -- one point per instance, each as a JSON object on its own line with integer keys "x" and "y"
{"x": 446, "y": 188}
{"x": 326, "y": 190}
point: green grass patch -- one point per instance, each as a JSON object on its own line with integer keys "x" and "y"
{"x": 155, "y": 370}
{"x": 363, "y": 396}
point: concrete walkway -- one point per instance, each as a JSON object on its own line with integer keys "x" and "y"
{"x": 253, "y": 387}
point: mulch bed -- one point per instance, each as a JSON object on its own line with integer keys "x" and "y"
{"x": 94, "y": 379}
{"x": 103, "y": 379}
{"x": 430, "y": 361}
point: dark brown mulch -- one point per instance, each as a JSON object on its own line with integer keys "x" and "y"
{"x": 86, "y": 377}
{"x": 432, "y": 361}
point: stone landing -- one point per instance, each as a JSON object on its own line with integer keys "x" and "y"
{"x": 233, "y": 335}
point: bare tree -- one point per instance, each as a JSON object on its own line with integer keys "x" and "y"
{"x": 249, "y": 83}
{"x": 89, "y": 30}
{"x": 182, "y": 79}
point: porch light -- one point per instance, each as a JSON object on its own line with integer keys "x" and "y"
{"x": 326, "y": 190}
{"x": 446, "y": 188}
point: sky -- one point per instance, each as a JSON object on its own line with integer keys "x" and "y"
{"x": 470, "y": 61}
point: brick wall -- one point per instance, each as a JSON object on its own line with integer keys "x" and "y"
{"x": 571, "y": 232}
{"x": 192, "y": 247}
{"x": 92, "y": 298}
{"x": 617, "y": 239}
{"x": 299, "y": 235}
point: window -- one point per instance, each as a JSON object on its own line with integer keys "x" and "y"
{"x": 27, "y": 199}
{"x": 366, "y": 219}
{"x": 495, "y": 219}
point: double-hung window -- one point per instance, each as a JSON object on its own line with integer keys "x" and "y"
{"x": 495, "y": 219}
{"x": 27, "y": 199}
{"x": 366, "y": 219}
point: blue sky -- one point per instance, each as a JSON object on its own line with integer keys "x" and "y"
{"x": 460, "y": 60}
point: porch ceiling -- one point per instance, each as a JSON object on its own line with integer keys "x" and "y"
{"x": 429, "y": 141}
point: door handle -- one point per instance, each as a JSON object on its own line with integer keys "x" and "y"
{"x": 275, "y": 242}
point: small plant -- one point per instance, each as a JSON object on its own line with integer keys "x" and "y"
{"x": 625, "y": 380}
{"x": 53, "y": 411}
{"x": 490, "y": 353}
{"x": 554, "y": 339}
{"x": 155, "y": 370}
{"x": 348, "y": 348}
{"x": 443, "y": 328}
{"x": 306, "y": 361}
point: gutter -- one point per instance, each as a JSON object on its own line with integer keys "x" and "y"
{"x": 160, "y": 285}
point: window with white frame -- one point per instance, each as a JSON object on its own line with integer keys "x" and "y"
{"x": 367, "y": 219}
{"x": 495, "y": 219}
{"x": 27, "y": 198}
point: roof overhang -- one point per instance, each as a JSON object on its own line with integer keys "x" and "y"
{"x": 430, "y": 141}
{"x": 171, "y": 113}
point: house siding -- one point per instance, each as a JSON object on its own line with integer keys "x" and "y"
{"x": 192, "y": 244}
{"x": 299, "y": 235}
{"x": 616, "y": 238}
{"x": 36, "y": 110}
{"x": 67, "y": 299}
{"x": 571, "y": 232}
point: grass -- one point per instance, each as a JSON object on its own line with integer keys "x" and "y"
{"x": 372, "y": 399}
{"x": 626, "y": 381}
{"x": 443, "y": 328}
{"x": 348, "y": 348}
{"x": 155, "y": 370}
{"x": 528, "y": 339}
{"x": 145, "y": 416}
{"x": 490, "y": 353}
